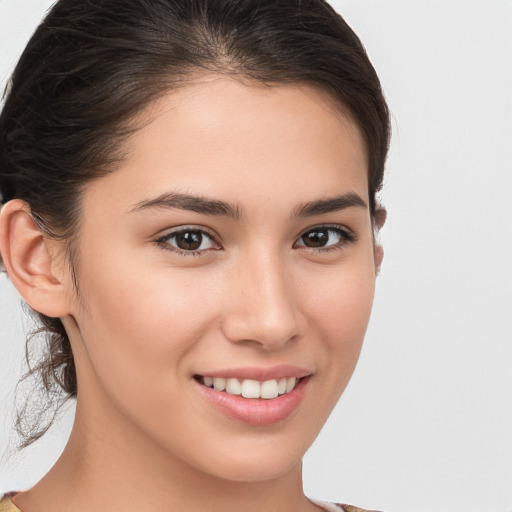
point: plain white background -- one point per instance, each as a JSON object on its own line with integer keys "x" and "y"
{"x": 426, "y": 422}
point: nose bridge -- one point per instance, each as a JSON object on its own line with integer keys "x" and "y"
{"x": 263, "y": 308}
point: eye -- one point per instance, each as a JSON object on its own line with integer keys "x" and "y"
{"x": 325, "y": 237}
{"x": 187, "y": 240}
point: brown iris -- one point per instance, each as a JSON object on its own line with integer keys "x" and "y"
{"x": 189, "y": 240}
{"x": 316, "y": 237}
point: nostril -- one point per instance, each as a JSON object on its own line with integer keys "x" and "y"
{"x": 253, "y": 330}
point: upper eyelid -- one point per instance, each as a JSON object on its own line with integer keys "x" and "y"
{"x": 180, "y": 229}
{"x": 162, "y": 240}
{"x": 340, "y": 227}
{"x": 350, "y": 237}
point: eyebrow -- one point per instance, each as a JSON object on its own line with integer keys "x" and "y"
{"x": 207, "y": 206}
{"x": 192, "y": 203}
{"x": 330, "y": 205}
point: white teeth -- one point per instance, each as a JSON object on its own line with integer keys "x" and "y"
{"x": 290, "y": 383}
{"x": 269, "y": 389}
{"x": 219, "y": 383}
{"x": 249, "y": 388}
{"x": 233, "y": 387}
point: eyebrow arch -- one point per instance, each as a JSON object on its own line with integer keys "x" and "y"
{"x": 192, "y": 203}
{"x": 330, "y": 205}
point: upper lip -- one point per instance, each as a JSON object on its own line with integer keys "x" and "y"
{"x": 259, "y": 373}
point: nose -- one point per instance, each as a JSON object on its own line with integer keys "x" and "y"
{"x": 262, "y": 307}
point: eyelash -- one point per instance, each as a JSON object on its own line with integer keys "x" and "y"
{"x": 347, "y": 237}
{"x": 163, "y": 241}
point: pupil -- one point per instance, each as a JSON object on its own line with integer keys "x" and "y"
{"x": 189, "y": 240}
{"x": 317, "y": 238}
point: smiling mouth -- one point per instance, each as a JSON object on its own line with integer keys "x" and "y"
{"x": 249, "y": 388}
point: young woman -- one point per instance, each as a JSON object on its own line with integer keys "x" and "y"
{"x": 189, "y": 204}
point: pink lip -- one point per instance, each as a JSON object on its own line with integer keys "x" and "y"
{"x": 255, "y": 411}
{"x": 260, "y": 374}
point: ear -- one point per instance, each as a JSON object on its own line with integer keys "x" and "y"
{"x": 378, "y": 221}
{"x": 31, "y": 260}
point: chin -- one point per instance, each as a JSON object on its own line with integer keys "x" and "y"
{"x": 257, "y": 461}
{"x": 248, "y": 471}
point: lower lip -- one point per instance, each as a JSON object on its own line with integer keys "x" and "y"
{"x": 256, "y": 411}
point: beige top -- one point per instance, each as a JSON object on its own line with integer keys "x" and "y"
{"x": 6, "y": 505}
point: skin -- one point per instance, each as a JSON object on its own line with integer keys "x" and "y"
{"x": 149, "y": 318}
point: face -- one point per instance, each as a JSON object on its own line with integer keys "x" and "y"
{"x": 233, "y": 248}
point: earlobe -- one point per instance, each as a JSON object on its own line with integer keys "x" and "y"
{"x": 379, "y": 256}
{"x": 30, "y": 261}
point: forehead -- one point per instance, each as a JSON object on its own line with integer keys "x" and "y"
{"x": 254, "y": 138}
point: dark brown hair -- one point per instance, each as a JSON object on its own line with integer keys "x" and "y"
{"x": 92, "y": 66}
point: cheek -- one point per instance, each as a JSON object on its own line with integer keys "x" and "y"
{"x": 139, "y": 333}
{"x": 341, "y": 300}
{"x": 340, "y": 314}
{"x": 137, "y": 325}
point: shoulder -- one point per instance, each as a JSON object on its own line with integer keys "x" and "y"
{"x": 338, "y": 507}
{"x": 6, "y": 504}
{"x": 351, "y": 508}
